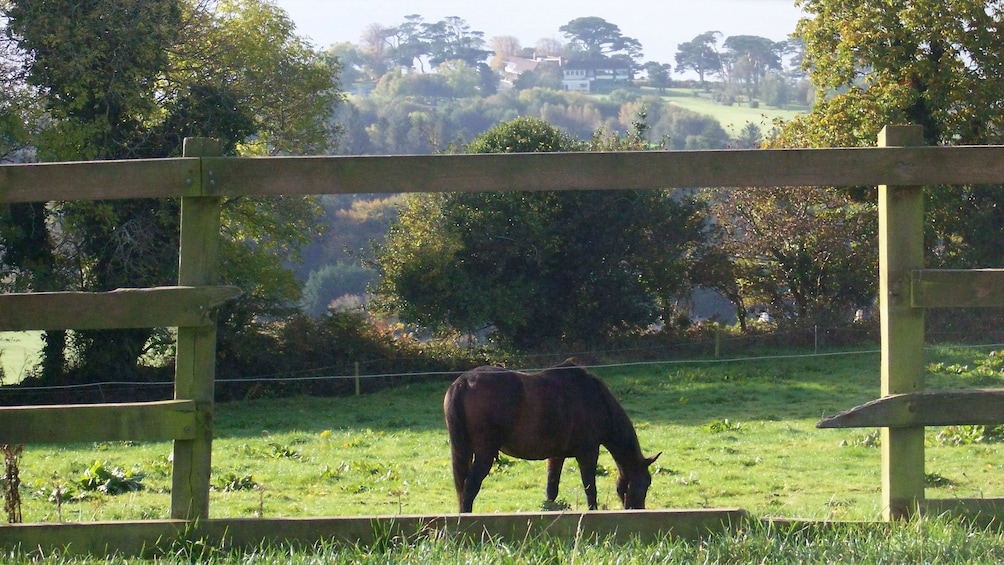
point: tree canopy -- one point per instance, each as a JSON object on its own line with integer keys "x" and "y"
{"x": 539, "y": 268}
{"x": 935, "y": 64}
{"x": 700, "y": 55}
{"x": 131, "y": 79}
{"x": 597, "y": 38}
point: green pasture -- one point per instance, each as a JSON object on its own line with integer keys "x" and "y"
{"x": 733, "y": 434}
{"x": 733, "y": 117}
{"x": 18, "y": 352}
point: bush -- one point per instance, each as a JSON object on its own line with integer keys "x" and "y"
{"x": 304, "y": 355}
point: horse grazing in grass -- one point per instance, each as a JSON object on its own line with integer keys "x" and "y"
{"x": 561, "y": 412}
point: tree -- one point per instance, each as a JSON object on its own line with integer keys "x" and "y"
{"x": 749, "y": 58}
{"x": 548, "y": 47}
{"x": 808, "y": 254}
{"x": 452, "y": 39}
{"x": 699, "y": 55}
{"x": 131, "y": 79}
{"x": 935, "y": 64}
{"x": 658, "y": 75}
{"x": 503, "y": 46}
{"x": 597, "y": 38}
{"x": 540, "y": 268}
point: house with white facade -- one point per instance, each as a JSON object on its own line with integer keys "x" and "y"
{"x": 597, "y": 75}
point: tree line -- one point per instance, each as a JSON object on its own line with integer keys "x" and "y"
{"x": 746, "y": 66}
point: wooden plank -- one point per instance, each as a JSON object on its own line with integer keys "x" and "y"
{"x": 136, "y": 421}
{"x": 171, "y": 306}
{"x": 99, "y": 180}
{"x": 195, "y": 360}
{"x": 945, "y": 288}
{"x": 159, "y": 178}
{"x": 609, "y": 170}
{"x": 144, "y": 538}
{"x": 901, "y": 251}
{"x": 98, "y": 539}
{"x": 982, "y": 512}
{"x": 925, "y": 408}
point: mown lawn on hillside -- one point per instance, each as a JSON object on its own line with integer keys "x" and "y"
{"x": 732, "y": 118}
{"x": 737, "y": 433}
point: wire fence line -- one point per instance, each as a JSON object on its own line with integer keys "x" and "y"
{"x": 424, "y": 374}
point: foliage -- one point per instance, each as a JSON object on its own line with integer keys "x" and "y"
{"x": 10, "y": 482}
{"x": 380, "y": 123}
{"x": 748, "y": 59}
{"x": 934, "y": 64}
{"x": 98, "y": 477}
{"x": 331, "y": 282}
{"x": 298, "y": 354}
{"x": 807, "y": 254}
{"x": 229, "y": 482}
{"x": 415, "y": 42}
{"x": 595, "y": 38}
{"x": 539, "y": 268}
{"x": 132, "y": 79}
{"x": 700, "y": 55}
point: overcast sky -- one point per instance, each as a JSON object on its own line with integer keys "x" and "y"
{"x": 659, "y": 25}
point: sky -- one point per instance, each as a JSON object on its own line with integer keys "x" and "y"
{"x": 660, "y": 25}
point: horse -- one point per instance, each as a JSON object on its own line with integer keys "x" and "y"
{"x": 560, "y": 412}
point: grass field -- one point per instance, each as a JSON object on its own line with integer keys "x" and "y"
{"x": 18, "y": 351}
{"x": 733, "y": 434}
{"x": 733, "y": 117}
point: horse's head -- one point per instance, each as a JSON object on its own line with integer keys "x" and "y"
{"x": 632, "y": 486}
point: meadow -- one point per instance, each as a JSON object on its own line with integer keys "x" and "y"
{"x": 733, "y": 118}
{"x": 733, "y": 433}
{"x": 737, "y": 433}
{"x": 18, "y": 350}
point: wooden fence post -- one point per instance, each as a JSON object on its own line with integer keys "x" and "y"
{"x": 195, "y": 363}
{"x": 901, "y": 250}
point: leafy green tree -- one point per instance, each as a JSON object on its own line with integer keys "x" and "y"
{"x": 749, "y": 58}
{"x": 595, "y": 37}
{"x": 809, "y": 254}
{"x": 700, "y": 55}
{"x": 539, "y": 268}
{"x": 452, "y": 39}
{"x": 658, "y": 75}
{"x": 131, "y": 79}
{"x": 936, "y": 64}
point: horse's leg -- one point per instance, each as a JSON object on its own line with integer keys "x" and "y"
{"x": 554, "y": 466}
{"x": 483, "y": 462}
{"x": 462, "y": 459}
{"x": 587, "y": 468}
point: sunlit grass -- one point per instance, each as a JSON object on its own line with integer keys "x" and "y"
{"x": 736, "y": 434}
{"x": 18, "y": 352}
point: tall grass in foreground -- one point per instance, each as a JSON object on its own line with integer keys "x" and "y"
{"x": 932, "y": 540}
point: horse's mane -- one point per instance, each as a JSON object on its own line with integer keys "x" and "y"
{"x": 623, "y": 438}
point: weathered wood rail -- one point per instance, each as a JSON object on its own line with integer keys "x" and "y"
{"x": 201, "y": 180}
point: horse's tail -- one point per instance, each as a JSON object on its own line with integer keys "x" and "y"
{"x": 456, "y": 424}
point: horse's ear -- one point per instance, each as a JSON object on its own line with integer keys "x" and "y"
{"x": 652, "y": 459}
{"x": 570, "y": 362}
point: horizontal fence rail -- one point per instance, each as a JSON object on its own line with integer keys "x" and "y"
{"x": 173, "y": 306}
{"x": 233, "y": 176}
{"x": 135, "y": 421}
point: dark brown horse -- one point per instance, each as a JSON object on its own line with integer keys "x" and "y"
{"x": 561, "y": 412}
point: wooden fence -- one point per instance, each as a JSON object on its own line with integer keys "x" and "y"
{"x": 201, "y": 179}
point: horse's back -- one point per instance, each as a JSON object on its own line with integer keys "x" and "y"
{"x": 483, "y": 400}
{"x": 532, "y": 416}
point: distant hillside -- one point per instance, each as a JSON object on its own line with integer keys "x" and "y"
{"x": 732, "y": 118}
